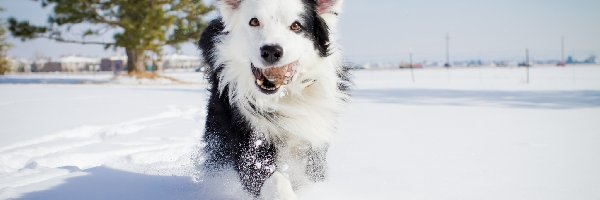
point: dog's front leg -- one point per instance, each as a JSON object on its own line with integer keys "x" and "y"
{"x": 278, "y": 187}
{"x": 256, "y": 164}
{"x": 316, "y": 166}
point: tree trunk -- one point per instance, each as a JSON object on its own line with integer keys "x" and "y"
{"x": 136, "y": 65}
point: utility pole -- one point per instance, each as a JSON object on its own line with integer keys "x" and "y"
{"x": 447, "y": 50}
{"x": 527, "y": 64}
{"x": 562, "y": 51}
{"x": 412, "y": 73}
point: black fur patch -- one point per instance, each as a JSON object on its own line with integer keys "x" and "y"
{"x": 345, "y": 80}
{"x": 208, "y": 39}
{"x": 230, "y": 139}
{"x": 315, "y": 28}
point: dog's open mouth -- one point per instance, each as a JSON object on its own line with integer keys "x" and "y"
{"x": 270, "y": 79}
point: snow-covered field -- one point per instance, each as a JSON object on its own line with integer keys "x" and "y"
{"x": 466, "y": 133}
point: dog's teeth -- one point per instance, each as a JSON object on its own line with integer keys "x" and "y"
{"x": 266, "y": 88}
{"x": 259, "y": 82}
{"x": 277, "y": 85}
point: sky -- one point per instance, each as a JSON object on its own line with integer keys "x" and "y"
{"x": 388, "y": 30}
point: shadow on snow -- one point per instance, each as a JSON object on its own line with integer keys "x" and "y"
{"x": 107, "y": 183}
{"x": 19, "y": 80}
{"x": 519, "y": 99}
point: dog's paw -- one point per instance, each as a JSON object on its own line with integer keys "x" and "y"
{"x": 278, "y": 187}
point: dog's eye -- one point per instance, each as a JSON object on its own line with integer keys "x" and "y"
{"x": 296, "y": 27}
{"x": 254, "y": 22}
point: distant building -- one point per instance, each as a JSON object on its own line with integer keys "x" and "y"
{"x": 66, "y": 64}
{"x": 408, "y": 65}
{"x": 570, "y": 60}
{"x": 179, "y": 61}
{"x": 114, "y": 63}
{"x": 20, "y": 65}
{"x": 38, "y": 65}
{"x": 78, "y": 64}
{"x": 431, "y": 63}
{"x": 590, "y": 60}
{"x": 50, "y": 67}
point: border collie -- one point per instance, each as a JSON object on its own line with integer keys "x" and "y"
{"x": 277, "y": 84}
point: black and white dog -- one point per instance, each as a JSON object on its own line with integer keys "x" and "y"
{"x": 277, "y": 84}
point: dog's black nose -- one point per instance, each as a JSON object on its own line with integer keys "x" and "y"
{"x": 271, "y": 53}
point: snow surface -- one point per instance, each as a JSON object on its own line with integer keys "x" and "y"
{"x": 462, "y": 133}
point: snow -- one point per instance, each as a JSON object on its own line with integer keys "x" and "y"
{"x": 175, "y": 57}
{"x": 101, "y": 78}
{"x": 78, "y": 59}
{"x": 462, "y": 133}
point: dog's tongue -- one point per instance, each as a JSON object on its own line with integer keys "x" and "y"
{"x": 279, "y": 75}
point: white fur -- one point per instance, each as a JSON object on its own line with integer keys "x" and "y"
{"x": 307, "y": 111}
{"x": 307, "y": 107}
{"x": 278, "y": 187}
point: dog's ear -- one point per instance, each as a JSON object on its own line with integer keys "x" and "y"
{"x": 227, "y": 8}
{"x": 325, "y": 23}
{"x": 329, "y": 11}
{"x": 229, "y": 4}
{"x": 329, "y": 6}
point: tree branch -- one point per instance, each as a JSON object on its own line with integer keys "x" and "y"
{"x": 101, "y": 19}
{"x": 78, "y": 42}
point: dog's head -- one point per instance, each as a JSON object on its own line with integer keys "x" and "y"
{"x": 273, "y": 46}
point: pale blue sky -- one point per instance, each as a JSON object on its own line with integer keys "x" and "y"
{"x": 386, "y": 30}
